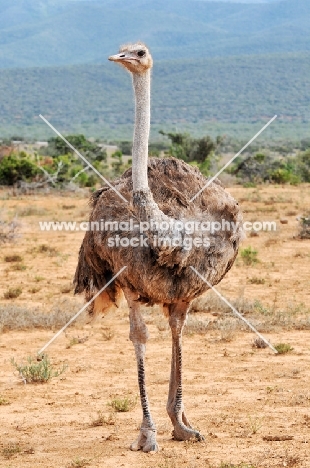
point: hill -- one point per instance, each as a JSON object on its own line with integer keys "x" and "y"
{"x": 236, "y": 94}
{"x": 54, "y": 32}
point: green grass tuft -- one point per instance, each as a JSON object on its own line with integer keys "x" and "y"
{"x": 249, "y": 256}
{"x": 283, "y": 348}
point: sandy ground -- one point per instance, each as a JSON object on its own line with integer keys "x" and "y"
{"x": 234, "y": 394}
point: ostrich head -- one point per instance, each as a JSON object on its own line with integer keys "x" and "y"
{"x": 136, "y": 58}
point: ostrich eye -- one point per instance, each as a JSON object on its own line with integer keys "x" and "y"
{"x": 141, "y": 53}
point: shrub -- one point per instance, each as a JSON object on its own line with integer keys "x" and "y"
{"x": 17, "y": 167}
{"x": 193, "y": 150}
{"x": 37, "y": 370}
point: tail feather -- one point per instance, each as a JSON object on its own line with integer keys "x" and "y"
{"x": 91, "y": 275}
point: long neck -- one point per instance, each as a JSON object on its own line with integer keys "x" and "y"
{"x": 142, "y": 89}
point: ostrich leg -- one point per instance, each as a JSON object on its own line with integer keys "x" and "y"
{"x": 175, "y": 408}
{"x": 139, "y": 335}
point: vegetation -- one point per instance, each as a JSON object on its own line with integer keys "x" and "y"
{"x": 3, "y": 401}
{"x": 21, "y": 317}
{"x": 56, "y": 165}
{"x": 280, "y": 170}
{"x": 16, "y": 167}
{"x": 39, "y": 370}
{"x": 102, "y": 420}
{"x": 10, "y": 450}
{"x": 61, "y": 170}
{"x": 283, "y": 348}
{"x": 13, "y": 258}
{"x": 196, "y": 151}
{"x": 79, "y": 463}
{"x": 12, "y": 293}
{"x": 305, "y": 227}
{"x": 249, "y": 256}
{"x": 122, "y": 405}
{"x": 231, "y": 96}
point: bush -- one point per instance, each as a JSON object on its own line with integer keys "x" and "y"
{"x": 17, "y": 167}
{"x": 197, "y": 151}
{"x": 261, "y": 168}
{"x": 93, "y": 152}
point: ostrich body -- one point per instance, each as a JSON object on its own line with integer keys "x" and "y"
{"x": 158, "y": 192}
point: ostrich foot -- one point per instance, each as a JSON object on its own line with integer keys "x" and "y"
{"x": 146, "y": 441}
{"x": 182, "y": 432}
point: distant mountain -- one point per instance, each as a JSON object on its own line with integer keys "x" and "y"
{"x": 63, "y": 32}
{"x": 216, "y": 95}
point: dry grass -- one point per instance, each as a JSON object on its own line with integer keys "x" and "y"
{"x": 13, "y": 258}
{"x": 67, "y": 288}
{"x": 12, "y": 293}
{"x": 304, "y": 232}
{"x": 18, "y": 267}
{"x": 10, "y": 450}
{"x": 3, "y": 401}
{"x": 9, "y": 230}
{"x": 76, "y": 340}
{"x": 79, "y": 463}
{"x": 258, "y": 343}
{"x": 195, "y": 326}
{"x": 107, "y": 334}
{"x": 123, "y": 405}
{"x": 32, "y": 211}
{"x": 101, "y": 420}
{"x": 45, "y": 249}
{"x": 257, "y": 280}
{"x": 227, "y": 328}
{"x": 18, "y": 317}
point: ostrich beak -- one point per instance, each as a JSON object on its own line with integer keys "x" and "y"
{"x": 123, "y": 57}
{"x": 117, "y": 57}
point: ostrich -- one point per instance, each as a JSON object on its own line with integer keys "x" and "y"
{"x": 158, "y": 193}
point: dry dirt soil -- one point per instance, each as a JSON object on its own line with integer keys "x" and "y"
{"x": 235, "y": 394}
